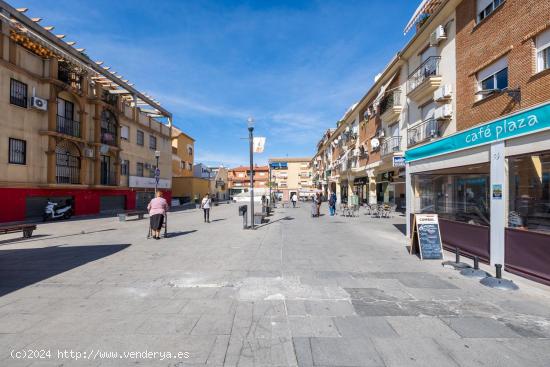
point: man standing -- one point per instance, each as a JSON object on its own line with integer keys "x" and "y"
{"x": 205, "y": 205}
{"x": 332, "y": 203}
{"x": 294, "y": 199}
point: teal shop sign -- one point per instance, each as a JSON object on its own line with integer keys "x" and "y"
{"x": 522, "y": 123}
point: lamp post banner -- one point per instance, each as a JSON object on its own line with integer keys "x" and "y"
{"x": 259, "y": 144}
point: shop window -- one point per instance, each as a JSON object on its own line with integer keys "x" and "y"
{"x": 460, "y": 194}
{"x": 486, "y": 7}
{"x": 493, "y": 78}
{"x": 18, "y": 93}
{"x": 18, "y": 151}
{"x": 529, "y": 202}
{"x": 543, "y": 51}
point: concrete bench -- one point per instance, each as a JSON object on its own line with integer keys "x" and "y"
{"x": 131, "y": 213}
{"x": 27, "y": 229}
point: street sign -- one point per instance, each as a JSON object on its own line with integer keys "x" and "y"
{"x": 399, "y": 161}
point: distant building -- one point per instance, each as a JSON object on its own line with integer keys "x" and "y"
{"x": 201, "y": 170}
{"x": 239, "y": 178}
{"x": 291, "y": 176}
{"x": 219, "y": 186}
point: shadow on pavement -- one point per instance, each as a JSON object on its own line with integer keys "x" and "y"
{"x": 274, "y": 221}
{"x": 180, "y": 233}
{"x": 402, "y": 228}
{"x": 218, "y": 220}
{"x": 23, "y": 267}
{"x": 19, "y": 239}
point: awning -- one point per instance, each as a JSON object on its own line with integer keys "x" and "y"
{"x": 279, "y": 165}
{"x": 383, "y": 89}
{"x": 425, "y": 7}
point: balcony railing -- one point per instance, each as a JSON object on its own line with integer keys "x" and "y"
{"x": 68, "y": 126}
{"x": 391, "y": 100}
{"x": 391, "y": 145}
{"x": 427, "y": 69}
{"x": 424, "y": 131}
{"x": 108, "y": 138}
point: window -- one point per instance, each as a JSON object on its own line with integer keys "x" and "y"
{"x": 190, "y": 166}
{"x": 486, "y": 7}
{"x": 543, "y": 51}
{"x": 108, "y": 128}
{"x": 18, "y": 151}
{"x": 152, "y": 142}
{"x": 529, "y": 201}
{"x": 124, "y": 132}
{"x": 140, "y": 138}
{"x": 190, "y": 150}
{"x": 18, "y": 93}
{"x": 492, "y": 78}
{"x": 125, "y": 168}
{"x": 427, "y": 110}
{"x": 139, "y": 169}
{"x": 182, "y": 164}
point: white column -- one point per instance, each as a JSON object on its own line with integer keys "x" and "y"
{"x": 409, "y": 198}
{"x": 498, "y": 202}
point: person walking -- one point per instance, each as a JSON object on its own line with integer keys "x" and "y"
{"x": 319, "y": 202}
{"x": 157, "y": 210}
{"x": 332, "y": 204}
{"x": 314, "y": 206}
{"x": 294, "y": 199}
{"x": 205, "y": 205}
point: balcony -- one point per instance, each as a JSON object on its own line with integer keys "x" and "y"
{"x": 390, "y": 106}
{"x": 425, "y": 131}
{"x": 68, "y": 126}
{"x": 391, "y": 145}
{"x": 109, "y": 138}
{"x": 424, "y": 80}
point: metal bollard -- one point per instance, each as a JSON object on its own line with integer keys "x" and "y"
{"x": 457, "y": 265}
{"x": 498, "y": 271}
{"x": 476, "y": 263}
{"x": 457, "y": 255}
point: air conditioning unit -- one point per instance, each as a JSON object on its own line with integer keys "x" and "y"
{"x": 437, "y": 36}
{"x": 444, "y": 112}
{"x": 88, "y": 152}
{"x": 39, "y": 103}
{"x": 443, "y": 93}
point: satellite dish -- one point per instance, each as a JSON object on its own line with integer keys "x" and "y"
{"x": 375, "y": 143}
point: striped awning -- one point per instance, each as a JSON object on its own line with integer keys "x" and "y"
{"x": 425, "y": 7}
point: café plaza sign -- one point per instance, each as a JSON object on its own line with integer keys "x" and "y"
{"x": 523, "y": 123}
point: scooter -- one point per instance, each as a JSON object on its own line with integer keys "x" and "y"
{"x": 53, "y": 212}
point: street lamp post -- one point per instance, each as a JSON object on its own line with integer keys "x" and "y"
{"x": 157, "y": 171}
{"x": 251, "y": 144}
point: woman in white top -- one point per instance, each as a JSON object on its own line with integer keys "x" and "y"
{"x": 205, "y": 205}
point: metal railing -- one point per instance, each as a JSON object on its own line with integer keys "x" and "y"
{"x": 67, "y": 169}
{"x": 391, "y": 145}
{"x": 424, "y": 131}
{"x": 68, "y": 126}
{"x": 427, "y": 69}
{"x": 108, "y": 137}
{"x": 392, "y": 99}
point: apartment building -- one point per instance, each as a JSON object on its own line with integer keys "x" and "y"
{"x": 219, "y": 185}
{"x": 72, "y": 129}
{"x": 238, "y": 179}
{"x": 289, "y": 176}
{"x": 490, "y": 181}
{"x": 183, "y": 153}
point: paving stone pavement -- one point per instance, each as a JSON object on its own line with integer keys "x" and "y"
{"x": 298, "y": 291}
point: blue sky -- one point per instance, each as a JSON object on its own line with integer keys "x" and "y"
{"x": 295, "y": 66}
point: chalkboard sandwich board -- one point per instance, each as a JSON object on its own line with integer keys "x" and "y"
{"x": 426, "y": 238}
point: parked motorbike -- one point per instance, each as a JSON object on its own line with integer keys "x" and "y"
{"x": 54, "y": 211}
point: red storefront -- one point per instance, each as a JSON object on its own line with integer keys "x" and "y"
{"x": 21, "y": 204}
